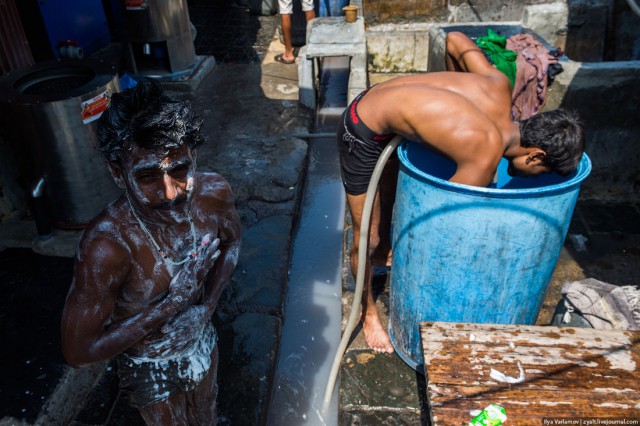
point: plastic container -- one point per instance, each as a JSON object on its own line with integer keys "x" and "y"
{"x": 472, "y": 254}
{"x": 350, "y": 13}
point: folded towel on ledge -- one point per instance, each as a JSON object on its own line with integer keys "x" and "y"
{"x": 528, "y": 64}
{"x": 603, "y": 305}
{"x": 532, "y": 63}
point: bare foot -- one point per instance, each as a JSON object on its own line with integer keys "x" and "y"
{"x": 376, "y": 336}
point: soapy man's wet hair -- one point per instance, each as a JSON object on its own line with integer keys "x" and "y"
{"x": 559, "y": 133}
{"x": 144, "y": 116}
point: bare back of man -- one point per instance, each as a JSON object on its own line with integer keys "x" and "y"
{"x": 463, "y": 116}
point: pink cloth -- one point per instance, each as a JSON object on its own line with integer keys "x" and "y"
{"x": 530, "y": 91}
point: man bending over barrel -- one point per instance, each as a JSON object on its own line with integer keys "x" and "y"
{"x": 151, "y": 267}
{"x": 465, "y": 116}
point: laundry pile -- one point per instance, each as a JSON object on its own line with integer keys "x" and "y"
{"x": 603, "y": 305}
{"x": 528, "y": 64}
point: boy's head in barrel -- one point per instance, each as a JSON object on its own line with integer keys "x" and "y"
{"x": 560, "y": 134}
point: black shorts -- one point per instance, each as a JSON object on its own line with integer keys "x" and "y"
{"x": 359, "y": 148}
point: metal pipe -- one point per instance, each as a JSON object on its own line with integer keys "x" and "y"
{"x": 71, "y": 52}
{"x": 315, "y": 135}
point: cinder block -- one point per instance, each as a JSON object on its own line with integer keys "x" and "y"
{"x": 331, "y": 36}
{"x": 547, "y": 20}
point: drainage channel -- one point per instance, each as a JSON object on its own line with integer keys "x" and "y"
{"x": 313, "y": 306}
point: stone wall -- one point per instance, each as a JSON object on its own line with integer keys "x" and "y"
{"x": 606, "y": 95}
{"x": 489, "y": 10}
{"x": 587, "y": 30}
{"x": 398, "y": 48}
{"x": 388, "y": 11}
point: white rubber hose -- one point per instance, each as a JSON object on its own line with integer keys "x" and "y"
{"x": 634, "y": 6}
{"x": 363, "y": 254}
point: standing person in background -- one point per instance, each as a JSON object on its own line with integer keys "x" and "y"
{"x": 286, "y": 10}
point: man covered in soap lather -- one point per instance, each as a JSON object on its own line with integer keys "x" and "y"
{"x": 150, "y": 268}
{"x": 465, "y": 116}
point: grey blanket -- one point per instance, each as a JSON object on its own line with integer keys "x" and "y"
{"x": 605, "y": 306}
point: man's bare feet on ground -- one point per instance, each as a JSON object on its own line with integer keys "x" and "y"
{"x": 376, "y": 336}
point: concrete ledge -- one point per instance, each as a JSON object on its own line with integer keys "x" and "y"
{"x": 23, "y": 234}
{"x": 68, "y": 398}
{"x": 395, "y": 48}
{"x": 605, "y": 95}
{"x": 332, "y": 36}
{"x": 306, "y": 80}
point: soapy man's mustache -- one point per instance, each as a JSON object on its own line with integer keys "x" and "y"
{"x": 168, "y": 205}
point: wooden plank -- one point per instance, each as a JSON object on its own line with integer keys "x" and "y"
{"x": 566, "y": 372}
{"x": 598, "y": 367}
{"x": 450, "y": 417}
{"x": 438, "y": 349}
{"x": 527, "y": 335}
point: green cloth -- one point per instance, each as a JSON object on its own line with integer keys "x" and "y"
{"x": 493, "y": 47}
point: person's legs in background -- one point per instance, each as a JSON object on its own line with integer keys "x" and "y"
{"x": 309, "y": 9}
{"x": 286, "y": 10}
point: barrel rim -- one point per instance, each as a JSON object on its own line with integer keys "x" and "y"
{"x": 103, "y": 74}
{"x": 582, "y": 172}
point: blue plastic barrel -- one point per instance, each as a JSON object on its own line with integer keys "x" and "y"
{"x": 332, "y": 7}
{"x": 472, "y": 254}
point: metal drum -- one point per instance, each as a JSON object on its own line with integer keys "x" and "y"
{"x": 49, "y": 113}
